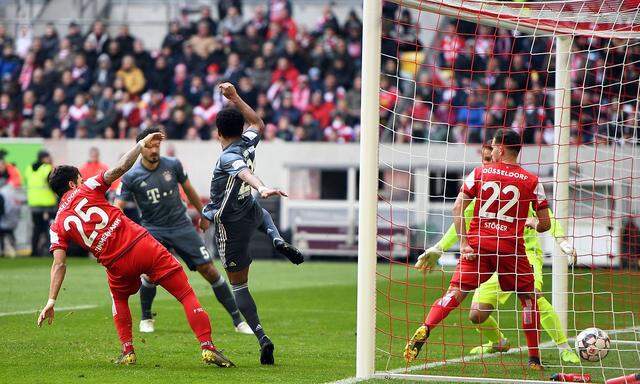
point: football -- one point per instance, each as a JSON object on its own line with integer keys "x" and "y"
{"x": 593, "y": 344}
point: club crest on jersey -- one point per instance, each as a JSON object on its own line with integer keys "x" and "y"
{"x": 167, "y": 175}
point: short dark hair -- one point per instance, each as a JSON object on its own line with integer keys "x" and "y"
{"x": 230, "y": 122}
{"x": 509, "y": 138}
{"x": 60, "y": 177}
{"x": 146, "y": 132}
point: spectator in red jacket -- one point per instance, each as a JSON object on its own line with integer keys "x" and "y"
{"x": 321, "y": 109}
{"x": 285, "y": 71}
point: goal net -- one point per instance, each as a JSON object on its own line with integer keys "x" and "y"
{"x": 446, "y": 75}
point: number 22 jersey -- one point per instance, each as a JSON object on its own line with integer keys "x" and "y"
{"x": 86, "y": 218}
{"x": 504, "y": 192}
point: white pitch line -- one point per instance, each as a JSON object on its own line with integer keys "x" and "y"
{"x": 61, "y": 309}
{"x": 352, "y": 380}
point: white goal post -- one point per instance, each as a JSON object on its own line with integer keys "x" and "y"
{"x": 534, "y": 20}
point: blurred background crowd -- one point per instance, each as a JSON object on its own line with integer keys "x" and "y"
{"x": 468, "y": 80}
{"x": 454, "y": 81}
{"x": 69, "y": 84}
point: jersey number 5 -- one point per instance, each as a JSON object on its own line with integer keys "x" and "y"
{"x": 495, "y": 193}
{"x": 85, "y": 217}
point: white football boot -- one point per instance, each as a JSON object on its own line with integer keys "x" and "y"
{"x": 146, "y": 326}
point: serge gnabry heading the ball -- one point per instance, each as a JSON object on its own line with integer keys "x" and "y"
{"x": 128, "y": 251}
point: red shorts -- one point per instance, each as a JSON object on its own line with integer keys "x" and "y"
{"x": 148, "y": 257}
{"x": 514, "y": 273}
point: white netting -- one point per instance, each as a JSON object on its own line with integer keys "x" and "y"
{"x": 453, "y": 72}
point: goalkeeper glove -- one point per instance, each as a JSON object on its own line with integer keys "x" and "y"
{"x": 568, "y": 250}
{"x": 429, "y": 258}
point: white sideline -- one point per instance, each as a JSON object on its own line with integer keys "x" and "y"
{"x": 61, "y": 309}
{"x": 352, "y": 380}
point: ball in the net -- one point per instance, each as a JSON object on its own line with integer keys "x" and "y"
{"x": 593, "y": 344}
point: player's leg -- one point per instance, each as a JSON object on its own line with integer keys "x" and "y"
{"x": 531, "y": 327}
{"x": 469, "y": 274}
{"x": 121, "y": 287}
{"x": 550, "y": 321}
{"x": 289, "y": 251}
{"x": 516, "y": 274}
{"x": 122, "y": 321}
{"x": 438, "y": 312}
{"x": 190, "y": 247}
{"x": 485, "y": 299}
{"x": 177, "y": 284}
{"x": 147, "y": 294}
{"x": 232, "y": 240}
{"x": 164, "y": 270}
{"x": 223, "y": 294}
{"x": 239, "y": 285}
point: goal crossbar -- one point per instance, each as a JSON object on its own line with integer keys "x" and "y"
{"x": 586, "y": 17}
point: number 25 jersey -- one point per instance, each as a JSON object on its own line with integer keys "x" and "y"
{"x": 503, "y": 195}
{"x": 86, "y": 218}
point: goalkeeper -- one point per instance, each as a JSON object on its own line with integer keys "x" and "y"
{"x": 487, "y": 297}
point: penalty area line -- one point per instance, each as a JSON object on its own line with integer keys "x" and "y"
{"x": 36, "y": 311}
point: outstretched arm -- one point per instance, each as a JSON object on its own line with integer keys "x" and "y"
{"x": 126, "y": 162}
{"x": 250, "y": 116}
{"x": 58, "y": 271}
{"x": 248, "y": 177}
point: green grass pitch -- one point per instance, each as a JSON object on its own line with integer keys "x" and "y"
{"x": 309, "y": 311}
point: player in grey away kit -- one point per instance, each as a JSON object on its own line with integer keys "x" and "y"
{"x": 153, "y": 183}
{"x": 235, "y": 212}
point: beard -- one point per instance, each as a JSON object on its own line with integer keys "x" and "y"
{"x": 153, "y": 159}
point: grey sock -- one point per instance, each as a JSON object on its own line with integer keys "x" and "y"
{"x": 248, "y": 308}
{"x": 225, "y": 297}
{"x": 147, "y": 294}
{"x": 269, "y": 227}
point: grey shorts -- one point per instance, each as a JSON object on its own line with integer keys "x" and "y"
{"x": 186, "y": 242}
{"x": 233, "y": 237}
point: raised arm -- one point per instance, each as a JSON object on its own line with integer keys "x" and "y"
{"x": 58, "y": 271}
{"x": 126, "y": 162}
{"x": 248, "y": 177}
{"x": 250, "y": 116}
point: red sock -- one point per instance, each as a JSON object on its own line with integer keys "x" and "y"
{"x": 127, "y": 347}
{"x": 122, "y": 320}
{"x": 531, "y": 324}
{"x": 178, "y": 285}
{"x": 440, "y": 310}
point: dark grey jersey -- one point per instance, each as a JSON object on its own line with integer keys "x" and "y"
{"x": 231, "y": 198}
{"x": 157, "y": 193}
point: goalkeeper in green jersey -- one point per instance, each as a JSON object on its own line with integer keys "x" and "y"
{"x": 487, "y": 297}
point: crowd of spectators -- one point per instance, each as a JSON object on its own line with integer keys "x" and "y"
{"x": 469, "y": 80}
{"x": 458, "y": 85}
{"x": 303, "y": 82}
